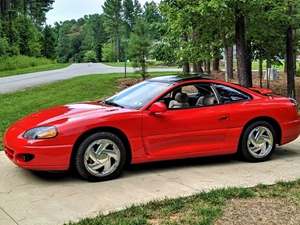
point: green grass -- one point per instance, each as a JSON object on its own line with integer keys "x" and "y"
{"x": 202, "y": 209}
{"x": 17, "y": 105}
{"x": 33, "y": 69}
{"x": 16, "y": 65}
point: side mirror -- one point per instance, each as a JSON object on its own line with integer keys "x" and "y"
{"x": 158, "y": 108}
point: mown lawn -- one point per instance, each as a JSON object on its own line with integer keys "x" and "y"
{"x": 203, "y": 208}
{"x": 33, "y": 69}
{"x": 21, "y": 64}
{"x": 17, "y": 105}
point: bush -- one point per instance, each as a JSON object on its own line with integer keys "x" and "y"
{"x": 108, "y": 53}
{"x": 90, "y": 56}
{"x": 21, "y": 62}
{"x": 4, "y": 46}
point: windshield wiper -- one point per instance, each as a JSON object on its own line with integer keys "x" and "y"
{"x": 113, "y": 104}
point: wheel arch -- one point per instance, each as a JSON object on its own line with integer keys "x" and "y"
{"x": 272, "y": 121}
{"x": 112, "y": 130}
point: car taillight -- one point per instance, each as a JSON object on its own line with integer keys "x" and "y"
{"x": 295, "y": 103}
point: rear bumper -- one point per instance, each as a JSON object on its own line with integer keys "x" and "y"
{"x": 290, "y": 131}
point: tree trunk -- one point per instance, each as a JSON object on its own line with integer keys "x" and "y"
{"x": 195, "y": 69}
{"x": 290, "y": 62}
{"x": 229, "y": 61}
{"x": 285, "y": 64}
{"x": 249, "y": 64}
{"x": 268, "y": 67}
{"x": 199, "y": 67}
{"x": 240, "y": 30}
{"x": 260, "y": 72}
{"x": 186, "y": 65}
{"x": 207, "y": 67}
{"x": 216, "y": 64}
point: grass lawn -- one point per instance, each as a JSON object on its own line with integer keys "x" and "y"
{"x": 224, "y": 206}
{"x": 17, "y": 105}
{"x": 33, "y": 69}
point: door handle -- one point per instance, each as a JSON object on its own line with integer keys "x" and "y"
{"x": 224, "y": 117}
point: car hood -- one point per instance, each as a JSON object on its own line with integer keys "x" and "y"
{"x": 72, "y": 112}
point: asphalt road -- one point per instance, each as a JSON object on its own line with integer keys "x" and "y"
{"x": 20, "y": 82}
{"x": 28, "y": 198}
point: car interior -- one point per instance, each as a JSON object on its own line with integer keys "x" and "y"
{"x": 189, "y": 96}
{"x": 199, "y": 95}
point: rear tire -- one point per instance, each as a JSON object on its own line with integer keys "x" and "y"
{"x": 258, "y": 142}
{"x": 100, "y": 157}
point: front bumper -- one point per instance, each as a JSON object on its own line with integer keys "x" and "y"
{"x": 36, "y": 155}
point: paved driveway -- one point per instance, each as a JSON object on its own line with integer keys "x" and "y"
{"x": 40, "y": 199}
{"x": 19, "y": 82}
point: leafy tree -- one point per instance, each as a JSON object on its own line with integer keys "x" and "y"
{"x": 48, "y": 43}
{"x": 29, "y": 37}
{"x": 108, "y": 53}
{"x": 154, "y": 19}
{"x": 139, "y": 46}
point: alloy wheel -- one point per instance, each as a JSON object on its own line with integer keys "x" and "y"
{"x": 260, "y": 142}
{"x": 102, "y": 157}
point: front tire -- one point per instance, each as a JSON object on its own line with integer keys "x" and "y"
{"x": 258, "y": 142}
{"x": 100, "y": 157}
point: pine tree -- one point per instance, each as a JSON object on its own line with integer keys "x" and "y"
{"x": 113, "y": 22}
{"x": 48, "y": 43}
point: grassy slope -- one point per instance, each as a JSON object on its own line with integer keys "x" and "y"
{"x": 19, "y": 104}
{"x": 202, "y": 209}
{"x": 33, "y": 69}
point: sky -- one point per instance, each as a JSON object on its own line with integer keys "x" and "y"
{"x": 75, "y": 9}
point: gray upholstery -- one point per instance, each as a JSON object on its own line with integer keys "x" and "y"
{"x": 211, "y": 100}
{"x": 200, "y": 101}
{"x": 206, "y": 101}
{"x": 181, "y": 101}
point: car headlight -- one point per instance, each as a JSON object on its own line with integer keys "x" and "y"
{"x": 40, "y": 133}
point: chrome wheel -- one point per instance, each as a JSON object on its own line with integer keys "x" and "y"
{"x": 102, "y": 157}
{"x": 260, "y": 142}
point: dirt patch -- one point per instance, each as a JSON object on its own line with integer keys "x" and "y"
{"x": 170, "y": 219}
{"x": 260, "y": 211}
{"x": 127, "y": 82}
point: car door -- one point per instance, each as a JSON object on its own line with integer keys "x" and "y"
{"x": 186, "y": 132}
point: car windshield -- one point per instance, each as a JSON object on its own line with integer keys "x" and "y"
{"x": 139, "y": 95}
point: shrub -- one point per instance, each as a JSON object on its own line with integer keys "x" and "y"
{"x": 21, "y": 62}
{"x": 90, "y": 56}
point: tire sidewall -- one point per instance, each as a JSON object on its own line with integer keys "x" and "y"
{"x": 244, "y": 151}
{"x": 78, "y": 159}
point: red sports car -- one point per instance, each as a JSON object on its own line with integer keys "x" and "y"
{"x": 164, "y": 118}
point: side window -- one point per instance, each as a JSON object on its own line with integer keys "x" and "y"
{"x": 228, "y": 94}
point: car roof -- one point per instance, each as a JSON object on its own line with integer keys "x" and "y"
{"x": 176, "y": 78}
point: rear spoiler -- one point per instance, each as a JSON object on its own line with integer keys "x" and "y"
{"x": 263, "y": 91}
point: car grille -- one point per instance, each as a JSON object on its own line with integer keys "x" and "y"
{"x": 9, "y": 152}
